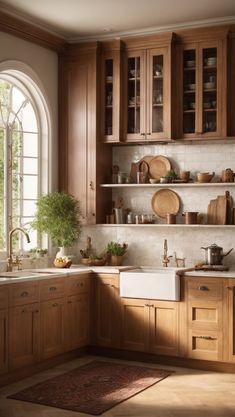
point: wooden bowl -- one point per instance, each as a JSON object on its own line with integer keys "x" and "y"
{"x": 205, "y": 176}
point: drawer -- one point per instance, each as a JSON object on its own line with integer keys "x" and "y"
{"x": 3, "y": 297}
{"x": 52, "y": 288}
{"x": 205, "y": 345}
{"x": 23, "y": 293}
{"x": 78, "y": 284}
{"x": 204, "y": 289}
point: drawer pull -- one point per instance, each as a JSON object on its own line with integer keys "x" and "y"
{"x": 35, "y": 311}
{"x": 206, "y": 337}
{"x": 203, "y": 288}
{"x": 52, "y": 289}
{"x": 24, "y": 294}
{"x": 55, "y": 305}
{"x": 23, "y": 311}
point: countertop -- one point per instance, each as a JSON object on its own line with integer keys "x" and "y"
{"x": 46, "y": 273}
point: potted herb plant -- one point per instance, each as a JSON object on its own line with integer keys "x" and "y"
{"x": 116, "y": 251}
{"x": 58, "y": 215}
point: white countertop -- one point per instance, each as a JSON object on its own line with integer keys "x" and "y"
{"x": 46, "y": 273}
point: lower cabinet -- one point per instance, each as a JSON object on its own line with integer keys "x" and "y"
{"x": 3, "y": 341}
{"x": 149, "y": 326}
{"x": 229, "y": 320}
{"x": 106, "y": 312}
{"x": 52, "y": 328}
{"x": 204, "y": 298}
{"x": 23, "y": 335}
{"x": 77, "y": 312}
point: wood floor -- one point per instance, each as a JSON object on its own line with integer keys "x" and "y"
{"x": 186, "y": 393}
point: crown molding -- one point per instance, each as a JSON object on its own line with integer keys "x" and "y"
{"x": 31, "y": 32}
{"x": 155, "y": 29}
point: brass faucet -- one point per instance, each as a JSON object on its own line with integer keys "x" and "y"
{"x": 165, "y": 258}
{"x": 10, "y": 261}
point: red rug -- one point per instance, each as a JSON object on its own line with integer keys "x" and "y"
{"x": 93, "y": 388}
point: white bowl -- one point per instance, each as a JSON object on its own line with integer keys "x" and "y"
{"x": 209, "y": 86}
{"x": 190, "y": 64}
{"x": 191, "y": 86}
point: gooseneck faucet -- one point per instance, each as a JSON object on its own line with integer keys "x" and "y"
{"x": 165, "y": 258}
{"x": 10, "y": 261}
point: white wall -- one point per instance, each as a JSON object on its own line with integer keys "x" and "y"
{"x": 146, "y": 243}
{"x": 45, "y": 64}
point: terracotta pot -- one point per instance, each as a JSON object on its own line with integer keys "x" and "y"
{"x": 116, "y": 260}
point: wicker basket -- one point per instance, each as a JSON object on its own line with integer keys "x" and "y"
{"x": 93, "y": 262}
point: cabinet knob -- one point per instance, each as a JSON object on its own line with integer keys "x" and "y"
{"x": 142, "y": 134}
{"x": 35, "y": 311}
{"x": 203, "y": 288}
{"x": 23, "y": 311}
{"x": 24, "y": 294}
{"x": 148, "y": 134}
{"x": 52, "y": 289}
{"x": 55, "y": 305}
{"x": 91, "y": 185}
{"x": 69, "y": 302}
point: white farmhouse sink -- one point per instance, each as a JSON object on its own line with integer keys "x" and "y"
{"x": 152, "y": 283}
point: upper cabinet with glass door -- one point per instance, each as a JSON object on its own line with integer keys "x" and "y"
{"x": 148, "y": 93}
{"x": 204, "y": 90}
{"x": 111, "y": 93}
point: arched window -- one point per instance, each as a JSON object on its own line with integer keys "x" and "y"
{"x": 24, "y": 144}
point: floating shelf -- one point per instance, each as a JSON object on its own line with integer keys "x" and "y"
{"x": 171, "y": 185}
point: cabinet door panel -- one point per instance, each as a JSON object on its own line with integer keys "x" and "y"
{"x": 135, "y": 324}
{"x": 52, "y": 328}
{"x": 77, "y": 321}
{"x": 164, "y": 328}
{"x": 23, "y": 335}
{"x": 3, "y": 341}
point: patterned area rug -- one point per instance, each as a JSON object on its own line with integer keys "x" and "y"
{"x": 92, "y": 388}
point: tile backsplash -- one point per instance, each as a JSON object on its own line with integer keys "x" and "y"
{"x": 146, "y": 242}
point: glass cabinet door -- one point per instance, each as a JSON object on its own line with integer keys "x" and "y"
{"x": 108, "y": 94}
{"x": 209, "y": 88}
{"x": 189, "y": 91}
{"x": 134, "y": 98}
{"x": 203, "y": 93}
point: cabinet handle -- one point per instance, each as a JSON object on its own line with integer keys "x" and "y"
{"x": 142, "y": 134}
{"x": 55, "y": 305}
{"x": 203, "y": 288}
{"x": 91, "y": 185}
{"x": 230, "y": 287}
{"x": 24, "y": 294}
{"x": 36, "y": 311}
{"x": 52, "y": 289}
{"x": 148, "y": 134}
{"x": 23, "y": 311}
{"x": 206, "y": 337}
{"x": 147, "y": 305}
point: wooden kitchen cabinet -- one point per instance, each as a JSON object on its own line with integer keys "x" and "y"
{"x": 85, "y": 162}
{"x": 204, "y": 86}
{"x": 52, "y": 328}
{"x": 77, "y": 312}
{"x": 3, "y": 329}
{"x": 52, "y": 298}
{"x": 106, "y": 310}
{"x": 204, "y": 318}
{"x": 23, "y": 324}
{"x": 229, "y": 319}
{"x": 111, "y": 91}
{"x": 23, "y": 335}
{"x": 150, "y": 326}
{"x": 148, "y": 90}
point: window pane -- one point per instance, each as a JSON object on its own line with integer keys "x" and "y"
{"x": 30, "y": 166}
{"x": 29, "y": 208}
{"x": 30, "y": 144}
{"x": 29, "y": 122}
{"x": 30, "y": 187}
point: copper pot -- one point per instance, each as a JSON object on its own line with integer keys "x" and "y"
{"x": 190, "y": 217}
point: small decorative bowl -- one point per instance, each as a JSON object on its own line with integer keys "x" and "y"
{"x": 205, "y": 176}
{"x": 93, "y": 261}
{"x": 59, "y": 263}
{"x": 153, "y": 181}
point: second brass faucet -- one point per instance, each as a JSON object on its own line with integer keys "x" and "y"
{"x": 165, "y": 258}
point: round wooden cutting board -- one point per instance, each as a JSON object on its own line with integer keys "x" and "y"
{"x": 165, "y": 201}
{"x": 158, "y": 167}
